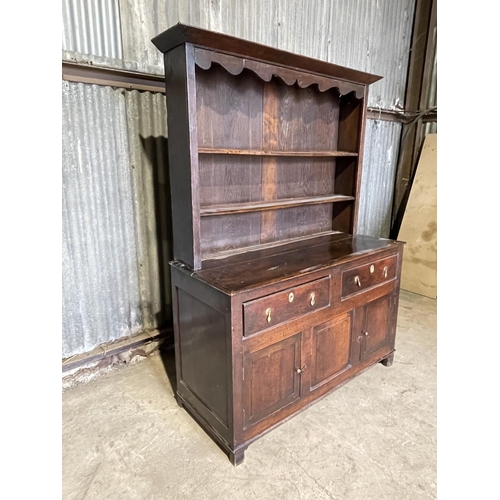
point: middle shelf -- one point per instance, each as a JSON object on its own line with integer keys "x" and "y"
{"x": 255, "y": 206}
{"x": 257, "y": 152}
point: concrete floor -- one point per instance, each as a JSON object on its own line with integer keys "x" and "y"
{"x": 124, "y": 437}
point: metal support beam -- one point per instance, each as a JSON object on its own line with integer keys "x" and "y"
{"x": 130, "y": 80}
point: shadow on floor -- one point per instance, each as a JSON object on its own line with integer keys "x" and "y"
{"x": 168, "y": 359}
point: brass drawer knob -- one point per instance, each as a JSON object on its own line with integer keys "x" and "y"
{"x": 291, "y": 297}
{"x": 372, "y": 269}
{"x": 366, "y": 334}
{"x": 385, "y": 272}
{"x": 313, "y": 299}
{"x": 300, "y": 370}
{"x": 268, "y": 314}
{"x": 357, "y": 280}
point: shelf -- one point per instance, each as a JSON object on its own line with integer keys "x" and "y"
{"x": 257, "y": 152}
{"x": 255, "y": 206}
{"x": 264, "y": 246}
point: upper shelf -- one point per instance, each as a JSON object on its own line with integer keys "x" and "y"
{"x": 256, "y": 152}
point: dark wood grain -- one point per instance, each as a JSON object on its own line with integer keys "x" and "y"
{"x": 270, "y": 117}
{"x": 352, "y": 118}
{"x": 183, "y": 154}
{"x": 291, "y": 303}
{"x": 196, "y": 306}
{"x": 345, "y": 176}
{"x": 299, "y": 177}
{"x": 376, "y": 327}
{"x": 222, "y": 255}
{"x": 330, "y": 350}
{"x": 361, "y": 278}
{"x": 279, "y": 363}
{"x": 229, "y": 110}
{"x": 342, "y": 216}
{"x": 308, "y": 119}
{"x": 241, "y": 272}
{"x": 200, "y": 346}
{"x": 229, "y": 232}
{"x": 303, "y": 220}
{"x": 228, "y": 180}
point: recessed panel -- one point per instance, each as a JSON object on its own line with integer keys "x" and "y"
{"x": 331, "y": 349}
{"x": 271, "y": 379}
{"x": 203, "y": 348}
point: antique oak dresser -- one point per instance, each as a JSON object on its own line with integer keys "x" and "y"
{"x": 277, "y": 300}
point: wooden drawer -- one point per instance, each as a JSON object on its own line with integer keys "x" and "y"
{"x": 267, "y": 312}
{"x": 368, "y": 275}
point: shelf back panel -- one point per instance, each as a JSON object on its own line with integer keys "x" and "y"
{"x": 239, "y": 179}
{"x": 342, "y": 217}
{"x": 238, "y": 231}
{"x": 350, "y": 117}
{"x": 229, "y": 109}
{"x": 229, "y": 179}
{"x": 303, "y": 221}
{"x": 345, "y": 176}
{"x": 228, "y": 232}
{"x": 302, "y": 177}
{"x": 308, "y": 118}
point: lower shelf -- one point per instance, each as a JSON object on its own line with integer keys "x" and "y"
{"x": 263, "y": 246}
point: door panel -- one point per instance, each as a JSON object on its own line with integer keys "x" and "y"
{"x": 331, "y": 350}
{"x": 376, "y": 325}
{"x": 271, "y": 378}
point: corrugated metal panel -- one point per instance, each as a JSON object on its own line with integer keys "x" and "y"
{"x": 100, "y": 278}
{"x": 110, "y": 259}
{"x": 370, "y": 35}
{"x": 377, "y": 183}
{"x": 432, "y": 97}
{"x": 92, "y": 27}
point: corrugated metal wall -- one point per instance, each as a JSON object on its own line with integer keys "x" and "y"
{"x": 379, "y": 172}
{"x": 114, "y": 141}
{"x": 92, "y": 27}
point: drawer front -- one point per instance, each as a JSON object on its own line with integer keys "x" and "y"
{"x": 267, "y": 312}
{"x": 369, "y": 275}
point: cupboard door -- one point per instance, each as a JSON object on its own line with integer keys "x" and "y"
{"x": 271, "y": 378}
{"x": 377, "y": 326}
{"x": 330, "y": 350}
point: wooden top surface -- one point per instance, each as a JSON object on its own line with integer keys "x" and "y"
{"x": 182, "y": 33}
{"x": 250, "y": 270}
